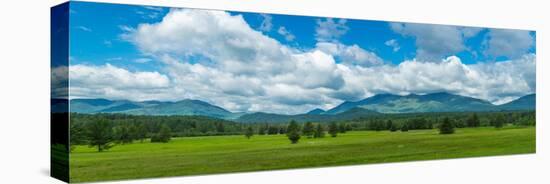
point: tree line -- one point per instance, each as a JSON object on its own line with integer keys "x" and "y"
{"x": 104, "y": 131}
{"x": 419, "y": 121}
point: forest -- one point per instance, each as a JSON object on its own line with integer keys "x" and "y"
{"x": 104, "y": 131}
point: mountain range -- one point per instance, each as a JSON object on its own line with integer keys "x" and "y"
{"x": 183, "y": 107}
{"x": 377, "y": 104}
{"x": 434, "y": 102}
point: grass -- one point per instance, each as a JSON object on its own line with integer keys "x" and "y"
{"x": 223, "y": 154}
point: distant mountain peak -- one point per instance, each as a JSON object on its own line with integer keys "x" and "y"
{"x": 431, "y": 102}
{"x": 182, "y": 107}
{"x": 380, "y": 103}
{"x": 316, "y": 111}
{"x": 527, "y": 102}
{"x": 440, "y": 93}
{"x": 384, "y": 95}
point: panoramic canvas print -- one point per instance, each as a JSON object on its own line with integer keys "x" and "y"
{"x": 142, "y": 91}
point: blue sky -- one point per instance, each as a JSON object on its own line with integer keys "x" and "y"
{"x": 103, "y": 40}
{"x": 127, "y": 38}
{"x": 95, "y": 36}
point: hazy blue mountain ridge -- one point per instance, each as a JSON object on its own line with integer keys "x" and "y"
{"x": 381, "y": 103}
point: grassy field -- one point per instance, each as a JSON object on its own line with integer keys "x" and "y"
{"x": 222, "y": 154}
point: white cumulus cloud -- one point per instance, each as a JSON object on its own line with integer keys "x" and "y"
{"x": 217, "y": 57}
{"x": 351, "y": 55}
{"x": 114, "y": 82}
{"x": 509, "y": 43}
{"x": 330, "y": 29}
{"x": 433, "y": 42}
{"x": 393, "y": 44}
{"x": 285, "y": 33}
{"x": 267, "y": 23}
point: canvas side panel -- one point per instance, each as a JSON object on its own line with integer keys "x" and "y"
{"x": 59, "y": 119}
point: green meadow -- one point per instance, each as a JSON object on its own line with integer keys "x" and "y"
{"x": 224, "y": 154}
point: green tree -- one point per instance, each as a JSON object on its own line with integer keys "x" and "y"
{"x": 273, "y": 130}
{"x": 319, "y": 131}
{"x": 282, "y": 130}
{"x": 141, "y": 132}
{"x": 293, "y": 132}
{"x": 376, "y": 125}
{"x": 77, "y": 135}
{"x": 133, "y": 132}
{"x": 308, "y": 130}
{"x": 418, "y": 123}
{"x": 405, "y": 127}
{"x": 446, "y": 126}
{"x": 164, "y": 135}
{"x": 333, "y": 129}
{"x": 473, "y": 121}
{"x": 498, "y": 121}
{"x": 526, "y": 121}
{"x": 348, "y": 127}
{"x": 389, "y": 124}
{"x": 100, "y": 134}
{"x": 393, "y": 128}
{"x": 249, "y": 132}
{"x": 381, "y": 125}
{"x": 263, "y": 129}
{"x": 123, "y": 134}
{"x": 342, "y": 128}
{"x": 220, "y": 128}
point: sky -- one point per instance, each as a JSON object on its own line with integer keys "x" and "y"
{"x": 251, "y": 62}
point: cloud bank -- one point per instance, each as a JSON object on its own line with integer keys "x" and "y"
{"x": 217, "y": 57}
